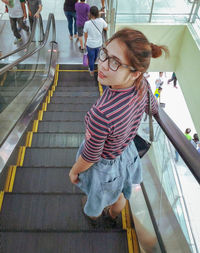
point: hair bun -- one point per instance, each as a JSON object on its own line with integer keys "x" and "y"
{"x": 156, "y": 50}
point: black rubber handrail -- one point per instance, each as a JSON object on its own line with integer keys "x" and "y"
{"x": 50, "y": 21}
{"x": 27, "y": 44}
{"x": 189, "y": 155}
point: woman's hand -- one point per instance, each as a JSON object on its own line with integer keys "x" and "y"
{"x": 73, "y": 177}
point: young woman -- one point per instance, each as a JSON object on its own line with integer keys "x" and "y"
{"x": 70, "y": 13}
{"x": 107, "y": 161}
{"x": 93, "y": 36}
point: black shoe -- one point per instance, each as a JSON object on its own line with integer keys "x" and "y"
{"x": 111, "y": 222}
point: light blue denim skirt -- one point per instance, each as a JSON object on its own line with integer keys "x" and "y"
{"x": 105, "y": 180}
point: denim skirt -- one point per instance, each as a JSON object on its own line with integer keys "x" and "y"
{"x": 105, "y": 180}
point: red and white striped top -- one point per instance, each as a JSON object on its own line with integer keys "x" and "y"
{"x": 113, "y": 122}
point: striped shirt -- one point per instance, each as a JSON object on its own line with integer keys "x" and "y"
{"x": 113, "y": 122}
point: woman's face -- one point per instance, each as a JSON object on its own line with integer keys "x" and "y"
{"x": 123, "y": 77}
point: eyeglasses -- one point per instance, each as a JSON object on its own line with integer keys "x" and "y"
{"x": 113, "y": 63}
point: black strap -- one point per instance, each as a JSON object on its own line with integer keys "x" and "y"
{"x": 151, "y": 133}
{"x": 96, "y": 27}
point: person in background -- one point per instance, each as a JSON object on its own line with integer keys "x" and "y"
{"x": 82, "y": 15}
{"x": 187, "y": 134}
{"x": 159, "y": 81}
{"x": 107, "y": 161}
{"x": 157, "y": 94}
{"x": 100, "y": 4}
{"x": 70, "y": 13}
{"x": 195, "y": 141}
{"x": 174, "y": 79}
{"x": 93, "y": 30}
{"x": 34, "y": 9}
{"x": 17, "y": 13}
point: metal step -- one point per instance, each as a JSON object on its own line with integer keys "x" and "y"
{"x": 49, "y": 157}
{"x": 60, "y": 127}
{"x": 79, "y": 94}
{"x": 69, "y": 107}
{"x": 91, "y": 83}
{"x": 64, "y": 116}
{"x": 61, "y": 242}
{"x": 43, "y": 180}
{"x": 75, "y": 76}
{"x": 48, "y": 212}
{"x": 73, "y": 100}
{"x": 72, "y": 88}
{"x": 53, "y": 140}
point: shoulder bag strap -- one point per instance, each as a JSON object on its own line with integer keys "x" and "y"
{"x": 96, "y": 26}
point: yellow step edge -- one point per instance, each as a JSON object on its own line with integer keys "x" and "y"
{"x": 8, "y": 178}
{"x": 44, "y": 106}
{"x": 130, "y": 240}
{"x": 128, "y": 218}
{"x": 21, "y": 154}
{"x": 3, "y": 79}
{"x": 29, "y": 138}
{"x": 53, "y": 88}
{"x": 40, "y": 115}
{"x": 14, "y": 168}
{"x": 1, "y": 199}
{"x": 100, "y": 89}
{"x": 124, "y": 219}
{"x": 135, "y": 241}
{"x": 35, "y": 126}
{"x": 75, "y": 70}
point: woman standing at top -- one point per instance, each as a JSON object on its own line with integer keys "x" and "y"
{"x": 70, "y": 13}
{"x": 93, "y": 36}
{"x": 107, "y": 161}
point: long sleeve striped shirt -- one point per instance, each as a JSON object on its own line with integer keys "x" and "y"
{"x": 113, "y": 122}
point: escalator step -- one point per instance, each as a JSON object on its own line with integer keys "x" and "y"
{"x": 82, "y": 88}
{"x": 79, "y": 242}
{"x": 68, "y": 107}
{"x": 57, "y": 140}
{"x": 46, "y": 180}
{"x": 73, "y": 100}
{"x": 61, "y": 127}
{"x": 49, "y": 157}
{"x": 80, "y": 94}
{"x": 64, "y": 116}
{"x": 75, "y": 76}
{"x": 92, "y": 83}
{"x": 48, "y": 212}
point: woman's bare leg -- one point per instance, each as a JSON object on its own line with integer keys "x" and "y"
{"x": 118, "y": 206}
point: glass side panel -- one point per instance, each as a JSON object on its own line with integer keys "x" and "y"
{"x": 170, "y": 195}
{"x": 19, "y": 85}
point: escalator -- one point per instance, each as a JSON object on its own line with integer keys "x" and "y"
{"x": 43, "y": 212}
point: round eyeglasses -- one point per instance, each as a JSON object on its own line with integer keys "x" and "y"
{"x": 113, "y": 63}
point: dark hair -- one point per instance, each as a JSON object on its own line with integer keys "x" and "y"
{"x": 94, "y": 12}
{"x": 196, "y": 137}
{"x": 188, "y": 130}
{"x": 82, "y": 0}
{"x": 139, "y": 51}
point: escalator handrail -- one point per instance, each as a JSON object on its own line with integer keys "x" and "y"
{"x": 50, "y": 21}
{"x": 189, "y": 155}
{"x": 27, "y": 44}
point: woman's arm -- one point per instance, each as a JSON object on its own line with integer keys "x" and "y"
{"x": 79, "y": 166}
{"x": 38, "y": 11}
{"x": 85, "y": 38}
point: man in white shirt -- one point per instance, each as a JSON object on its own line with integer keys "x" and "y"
{"x": 17, "y": 12}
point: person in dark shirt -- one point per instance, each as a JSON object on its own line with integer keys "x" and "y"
{"x": 70, "y": 13}
{"x": 108, "y": 162}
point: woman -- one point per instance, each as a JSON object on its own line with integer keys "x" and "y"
{"x": 70, "y": 13}
{"x": 108, "y": 162}
{"x": 93, "y": 36}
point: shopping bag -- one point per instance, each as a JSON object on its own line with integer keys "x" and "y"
{"x": 85, "y": 59}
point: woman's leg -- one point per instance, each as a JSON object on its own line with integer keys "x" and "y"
{"x": 69, "y": 17}
{"x": 75, "y": 27}
{"x": 117, "y": 207}
{"x": 91, "y": 57}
